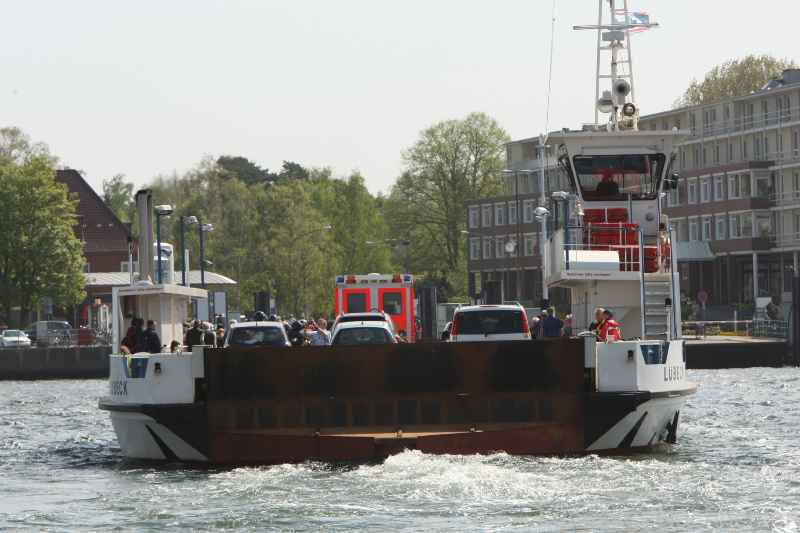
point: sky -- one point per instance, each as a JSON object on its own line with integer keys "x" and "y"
{"x": 151, "y": 87}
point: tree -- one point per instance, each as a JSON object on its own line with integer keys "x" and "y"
{"x": 40, "y": 256}
{"x": 118, "y": 195}
{"x": 452, "y": 162}
{"x": 244, "y": 170}
{"x": 736, "y": 77}
{"x": 358, "y": 227}
{"x": 292, "y": 171}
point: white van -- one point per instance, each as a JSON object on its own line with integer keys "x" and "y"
{"x": 476, "y": 323}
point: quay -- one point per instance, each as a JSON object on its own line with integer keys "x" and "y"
{"x": 76, "y": 362}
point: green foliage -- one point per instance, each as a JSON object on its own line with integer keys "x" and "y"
{"x": 452, "y": 162}
{"x": 274, "y": 237}
{"x": 244, "y": 170}
{"x": 40, "y": 256}
{"x": 736, "y": 77}
{"x": 118, "y": 195}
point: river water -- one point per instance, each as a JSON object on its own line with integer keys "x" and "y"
{"x": 736, "y": 468}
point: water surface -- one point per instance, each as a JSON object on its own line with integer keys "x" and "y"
{"x": 736, "y": 468}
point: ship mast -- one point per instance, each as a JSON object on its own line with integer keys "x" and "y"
{"x": 613, "y": 38}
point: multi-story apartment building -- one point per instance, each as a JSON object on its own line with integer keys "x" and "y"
{"x": 503, "y": 234}
{"x": 737, "y": 207}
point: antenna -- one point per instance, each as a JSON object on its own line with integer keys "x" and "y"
{"x": 614, "y": 37}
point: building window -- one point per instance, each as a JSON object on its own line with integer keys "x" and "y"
{"x": 763, "y": 186}
{"x": 85, "y": 268}
{"x": 744, "y": 185}
{"x": 529, "y": 247}
{"x": 705, "y": 190}
{"x": 694, "y": 229}
{"x": 730, "y": 153}
{"x": 733, "y": 186}
{"x": 474, "y": 216}
{"x": 746, "y": 224}
{"x": 721, "y": 228}
{"x": 734, "y": 227}
{"x": 512, "y": 212}
{"x": 796, "y": 184}
{"x": 708, "y": 226}
{"x": 673, "y": 198}
{"x": 796, "y": 217}
{"x": 681, "y": 230}
{"x": 744, "y": 150}
{"x": 765, "y": 111}
{"x": 123, "y": 266}
{"x": 527, "y": 211}
{"x": 486, "y": 216}
{"x": 692, "y": 191}
{"x": 796, "y": 143}
{"x": 499, "y": 214}
{"x": 716, "y": 153}
{"x": 487, "y": 247}
{"x": 719, "y": 188}
{"x": 499, "y": 247}
{"x": 763, "y": 226}
{"x": 474, "y": 249}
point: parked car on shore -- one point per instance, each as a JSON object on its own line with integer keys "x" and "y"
{"x": 51, "y": 333}
{"x": 14, "y": 338}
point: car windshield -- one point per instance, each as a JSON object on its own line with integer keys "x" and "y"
{"x": 12, "y": 333}
{"x": 602, "y": 176}
{"x": 257, "y": 336}
{"x": 489, "y": 321}
{"x": 365, "y": 335}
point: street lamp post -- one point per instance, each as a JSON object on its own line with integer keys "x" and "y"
{"x": 185, "y": 221}
{"x": 541, "y": 215}
{"x": 203, "y": 228}
{"x": 161, "y": 211}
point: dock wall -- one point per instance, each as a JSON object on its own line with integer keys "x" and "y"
{"x": 54, "y": 363}
{"x": 711, "y": 355}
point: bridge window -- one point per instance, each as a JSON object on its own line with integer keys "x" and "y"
{"x": 609, "y": 176}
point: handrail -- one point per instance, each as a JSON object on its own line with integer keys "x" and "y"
{"x": 641, "y": 284}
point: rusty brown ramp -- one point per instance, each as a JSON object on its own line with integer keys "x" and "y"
{"x": 267, "y": 405}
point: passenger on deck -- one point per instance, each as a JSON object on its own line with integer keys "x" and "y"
{"x": 609, "y": 330}
{"x": 607, "y": 186}
{"x": 594, "y": 327}
{"x": 551, "y": 325}
{"x": 129, "y": 342}
{"x": 194, "y": 337}
{"x": 152, "y": 340}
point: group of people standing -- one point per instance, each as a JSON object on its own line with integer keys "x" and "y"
{"x": 604, "y": 327}
{"x": 548, "y": 325}
{"x": 141, "y": 338}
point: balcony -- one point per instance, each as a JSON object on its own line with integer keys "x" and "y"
{"x": 744, "y": 123}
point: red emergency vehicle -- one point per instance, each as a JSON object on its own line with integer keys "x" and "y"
{"x": 391, "y": 293}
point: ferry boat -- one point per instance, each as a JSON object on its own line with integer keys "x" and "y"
{"x": 610, "y": 246}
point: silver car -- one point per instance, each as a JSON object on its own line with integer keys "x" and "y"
{"x": 14, "y": 338}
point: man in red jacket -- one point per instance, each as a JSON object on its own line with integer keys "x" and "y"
{"x": 609, "y": 329}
